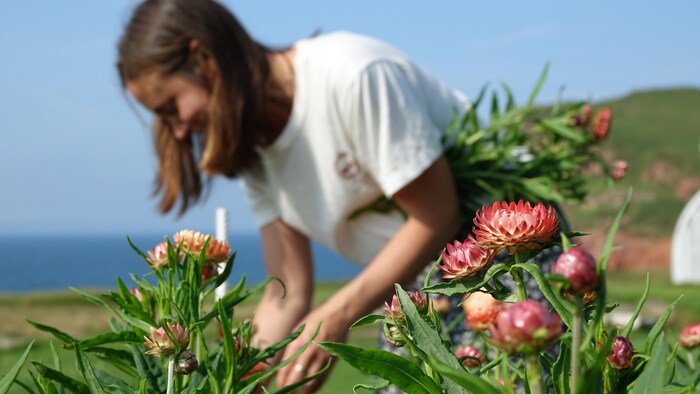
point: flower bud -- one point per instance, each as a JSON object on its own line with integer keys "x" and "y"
{"x": 136, "y": 293}
{"x": 621, "y": 353}
{"x": 393, "y": 335}
{"x": 690, "y": 336}
{"x": 526, "y": 327}
{"x": 160, "y": 344}
{"x": 601, "y": 124}
{"x": 582, "y": 119}
{"x": 158, "y": 256}
{"x": 463, "y": 260}
{"x": 394, "y": 312}
{"x": 619, "y": 169}
{"x": 474, "y": 358}
{"x": 441, "y": 304}
{"x": 186, "y": 363}
{"x": 579, "y": 268}
{"x": 480, "y": 310}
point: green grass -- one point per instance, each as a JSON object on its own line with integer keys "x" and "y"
{"x": 623, "y": 287}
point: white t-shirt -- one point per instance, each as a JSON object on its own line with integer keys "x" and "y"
{"x": 365, "y": 122}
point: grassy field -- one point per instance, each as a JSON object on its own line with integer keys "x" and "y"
{"x": 70, "y": 313}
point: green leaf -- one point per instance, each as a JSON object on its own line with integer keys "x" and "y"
{"x": 563, "y": 131}
{"x": 466, "y": 286}
{"x": 400, "y": 372}
{"x": 56, "y": 363}
{"x": 630, "y": 324}
{"x": 561, "y": 368}
{"x": 380, "y": 385}
{"x": 565, "y": 243}
{"x": 11, "y": 375}
{"x": 367, "y": 320}
{"x": 469, "y": 381}
{"x": 150, "y": 370}
{"x": 88, "y": 373}
{"x": 221, "y": 278}
{"x": 290, "y": 388}
{"x": 607, "y": 246}
{"x": 651, "y": 379}
{"x": 562, "y": 309}
{"x": 538, "y": 87}
{"x": 69, "y": 383}
{"x": 53, "y": 331}
{"x": 107, "y": 338}
{"x": 658, "y": 327}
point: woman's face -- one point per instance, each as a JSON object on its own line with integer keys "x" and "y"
{"x": 179, "y": 101}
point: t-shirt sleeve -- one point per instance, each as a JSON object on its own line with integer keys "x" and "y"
{"x": 260, "y": 196}
{"x": 394, "y": 136}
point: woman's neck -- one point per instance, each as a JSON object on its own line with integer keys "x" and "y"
{"x": 279, "y": 94}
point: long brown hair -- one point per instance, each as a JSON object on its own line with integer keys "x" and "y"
{"x": 157, "y": 39}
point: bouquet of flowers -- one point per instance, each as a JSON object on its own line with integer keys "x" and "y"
{"x": 167, "y": 335}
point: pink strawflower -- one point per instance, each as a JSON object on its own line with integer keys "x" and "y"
{"x": 619, "y": 169}
{"x": 136, "y": 293}
{"x": 475, "y": 358}
{"x": 579, "y": 268}
{"x": 526, "y": 327}
{"x": 601, "y": 124}
{"x": 193, "y": 242}
{"x": 690, "y": 336}
{"x": 515, "y": 227}
{"x": 480, "y": 310}
{"x": 160, "y": 344}
{"x": 394, "y": 311}
{"x": 463, "y": 260}
{"x": 158, "y": 256}
{"x": 621, "y": 353}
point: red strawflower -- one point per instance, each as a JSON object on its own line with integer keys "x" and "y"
{"x": 475, "y": 358}
{"x": 690, "y": 336}
{"x": 463, "y": 260}
{"x": 526, "y": 327}
{"x": 601, "y": 124}
{"x": 579, "y": 268}
{"x": 515, "y": 227}
{"x": 621, "y": 353}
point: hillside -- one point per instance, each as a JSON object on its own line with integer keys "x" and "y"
{"x": 658, "y": 133}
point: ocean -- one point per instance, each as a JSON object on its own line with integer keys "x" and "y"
{"x": 56, "y": 262}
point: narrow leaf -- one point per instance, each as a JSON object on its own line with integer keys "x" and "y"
{"x": 10, "y": 377}
{"x": 58, "y": 377}
{"x": 88, "y": 373}
{"x": 630, "y": 324}
{"x": 367, "y": 320}
{"x": 53, "y": 331}
{"x": 651, "y": 379}
{"x": 658, "y": 327}
{"x": 562, "y": 309}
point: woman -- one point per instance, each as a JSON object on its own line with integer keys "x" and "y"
{"x": 318, "y": 133}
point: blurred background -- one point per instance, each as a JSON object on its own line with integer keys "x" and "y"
{"x": 77, "y": 158}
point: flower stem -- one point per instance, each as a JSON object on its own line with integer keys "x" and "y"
{"x": 576, "y": 344}
{"x": 691, "y": 361}
{"x": 534, "y": 376}
{"x": 171, "y": 374}
{"x": 517, "y": 274}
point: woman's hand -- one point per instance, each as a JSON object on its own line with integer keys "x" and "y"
{"x": 330, "y": 328}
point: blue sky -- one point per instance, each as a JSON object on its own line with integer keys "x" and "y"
{"x": 75, "y": 158}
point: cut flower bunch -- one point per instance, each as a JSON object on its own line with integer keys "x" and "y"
{"x": 561, "y": 347}
{"x": 167, "y": 334}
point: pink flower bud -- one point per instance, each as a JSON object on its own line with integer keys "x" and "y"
{"x": 160, "y": 344}
{"x": 526, "y": 327}
{"x": 621, "y": 353}
{"x": 579, "y": 268}
{"x": 582, "y": 119}
{"x": 158, "y": 256}
{"x": 601, "y": 124}
{"x": 136, "y": 293}
{"x": 619, "y": 169}
{"x": 394, "y": 311}
{"x": 690, "y": 336}
{"x": 463, "y": 260}
{"x": 480, "y": 310}
{"x": 515, "y": 227}
{"x": 474, "y": 356}
{"x": 186, "y": 363}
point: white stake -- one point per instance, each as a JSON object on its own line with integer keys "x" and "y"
{"x": 221, "y": 235}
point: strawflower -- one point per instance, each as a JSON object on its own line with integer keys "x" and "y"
{"x": 193, "y": 242}
{"x": 579, "y": 268}
{"x": 480, "y": 310}
{"x": 463, "y": 260}
{"x": 601, "y": 124}
{"x": 474, "y": 356}
{"x": 160, "y": 344}
{"x": 158, "y": 256}
{"x": 394, "y": 311}
{"x": 527, "y": 327}
{"x": 690, "y": 336}
{"x": 619, "y": 169}
{"x": 621, "y": 353}
{"x": 515, "y": 227}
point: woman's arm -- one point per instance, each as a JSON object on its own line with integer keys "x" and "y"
{"x": 433, "y": 219}
{"x": 287, "y": 255}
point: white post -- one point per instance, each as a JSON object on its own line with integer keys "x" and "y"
{"x": 221, "y": 235}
